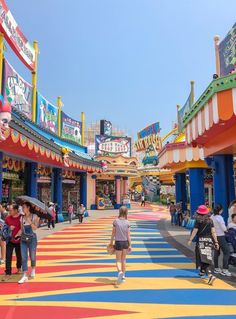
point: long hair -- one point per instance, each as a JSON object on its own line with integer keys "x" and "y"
{"x": 123, "y": 212}
{"x": 204, "y": 219}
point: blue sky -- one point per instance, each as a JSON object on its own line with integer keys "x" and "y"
{"x": 129, "y": 61}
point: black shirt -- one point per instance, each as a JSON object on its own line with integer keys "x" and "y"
{"x": 204, "y": 229}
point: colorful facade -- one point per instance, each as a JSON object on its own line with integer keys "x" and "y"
{"x": 42, "y": 152}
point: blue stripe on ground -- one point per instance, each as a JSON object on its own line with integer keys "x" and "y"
{"x": 148, "y": 253}
{"x": 162, "y": 273}
{"x": 132, "y": 260}
{"x": 148, "y": 296}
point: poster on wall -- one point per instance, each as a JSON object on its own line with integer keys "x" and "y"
{"x": 113, "y": 145}
{"x": 47, "y": 114}
{"x": 15, "y": 38}
{"x": 70, "y": 128}
{"x": 17, "y": 91}
{"x": 227, "y": 52}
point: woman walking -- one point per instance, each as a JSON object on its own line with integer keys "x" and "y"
{"x": 121, "y": 234}
{"x": 81, "y": 212}
{"x": 29, "y": 224}
{"x": 220, "y": 228}
{"x": 70, "y": 212}
{"x": 206, "y": 241}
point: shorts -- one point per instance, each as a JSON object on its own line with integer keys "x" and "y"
{"x": 120, "y": 245}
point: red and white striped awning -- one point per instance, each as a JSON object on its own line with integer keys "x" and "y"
{"x": 219, "y": 111}
{"x": 175, "y": 153}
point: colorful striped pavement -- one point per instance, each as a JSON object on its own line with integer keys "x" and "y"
{"x": 76, "y": 278}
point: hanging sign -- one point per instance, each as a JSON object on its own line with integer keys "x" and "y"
{"x": 17, "y": 91}
{"x": 70, "y": 128}
{"x": 113, "y": 145}
{"x": 47, "y": 114}
{"x": 15, "y": 38}
{"x": 227, "y": 52}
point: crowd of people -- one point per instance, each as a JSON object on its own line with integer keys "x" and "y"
{"x": 18, "y": 233}
{"x": 213, "y": 237}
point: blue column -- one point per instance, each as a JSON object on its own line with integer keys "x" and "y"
{"x": 31, "y": 179}
{"x": 83, "y": 189}
{"x": 57, "y": 191}
{"x": 180, "y": 189}
{"x": 93, "y": 191}
{"x": 223, "y": 181}
{"x": 1, "y": 160}
{"x": 197, "y": 192}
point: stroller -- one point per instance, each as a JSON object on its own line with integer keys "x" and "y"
{"x": 231, "y": 239}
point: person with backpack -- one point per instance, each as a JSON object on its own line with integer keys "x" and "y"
{"x": 206, "y": 243}
{"x": 172, "y": 210}
{"x": 14, "y": 223}
{"x": 53, "y": 213}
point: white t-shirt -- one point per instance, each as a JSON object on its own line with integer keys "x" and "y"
{"x": 219, "y": 225}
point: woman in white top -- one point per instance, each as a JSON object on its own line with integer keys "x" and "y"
{"x": 121, "y": 234}
{"x": 220, "y": 229}
{"x": 29, "y": 225}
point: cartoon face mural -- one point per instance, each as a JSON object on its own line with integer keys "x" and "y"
{"x": 5, "y": 118}
{"x": 65, "y": 155}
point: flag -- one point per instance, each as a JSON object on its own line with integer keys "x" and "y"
{"x": 182, "y": 112}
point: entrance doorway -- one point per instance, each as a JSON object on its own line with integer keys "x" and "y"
{"x": 74, "y": 198}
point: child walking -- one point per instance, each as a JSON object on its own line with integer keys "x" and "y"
{"x": 121, "y": 235}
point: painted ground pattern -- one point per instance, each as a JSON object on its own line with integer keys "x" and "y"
{"x": 76, "y": 278}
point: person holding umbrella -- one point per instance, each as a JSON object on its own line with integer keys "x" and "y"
{"x": 29, "y": 225}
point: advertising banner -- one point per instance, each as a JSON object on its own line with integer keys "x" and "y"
{"x": 227, "y": 51}
{"x": 113, "y": 145}
{"x": 105, "y": 127}
{"x": 17, "y": 91}
{"x": 47, "y": 114}
{"x": 181, "y": 113}
{"x": 152, "y": 129}
{"x": 15, "y": 38}
{"x": 70, "y": 128}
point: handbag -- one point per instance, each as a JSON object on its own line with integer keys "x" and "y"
{"x": 26, "y": 238}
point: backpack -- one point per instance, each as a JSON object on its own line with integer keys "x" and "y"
{"x": 6, "y": 233}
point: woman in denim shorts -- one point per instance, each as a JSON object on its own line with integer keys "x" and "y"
{"x": 121, "y": 234}
{"x": 29, "y": 224}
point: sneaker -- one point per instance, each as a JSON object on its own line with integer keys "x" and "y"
{"x": 32, "y": 274}
{"x": 211, "y": 280}
{"x": 2, "y": 262}
{"x": 23, "y": 280}
{"x": 202, "y": 275}
{"x": 123, "y": 278}
{"x": 217, "y": 271}
{"x": 225, "y": 272}
{"x": 119, "y": 278}
{"x": 6, "y": 278}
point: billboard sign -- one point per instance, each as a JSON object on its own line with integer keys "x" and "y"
{"x": 15, "y": 38}
{"x": 17, "y": 91}
{"x": 47, "y": 114}
{"x": 113, "y": 145}
{"x": 70, "y": 128}
{"x": 105, "y": 127}
{"x": 152, "y": 129}
{"x": 227, "y": 52}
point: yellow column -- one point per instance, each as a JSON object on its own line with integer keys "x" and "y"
{"x": 34, "y": 83}
{"x": 1, "y": 58}
{"x": 83, "y": 127}
{"x": 192, "y": 92}
{"x": 217, "y": 55}
{"x": 59, "y": 104}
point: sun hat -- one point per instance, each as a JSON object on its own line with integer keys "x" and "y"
{"x": 202, "y": 210}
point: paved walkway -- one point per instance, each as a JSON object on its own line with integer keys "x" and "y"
{"x": 77, "y": 279}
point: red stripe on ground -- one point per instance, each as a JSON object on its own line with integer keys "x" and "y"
{"x": 29, "y": 287}
{"x": 31, "y": 312}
